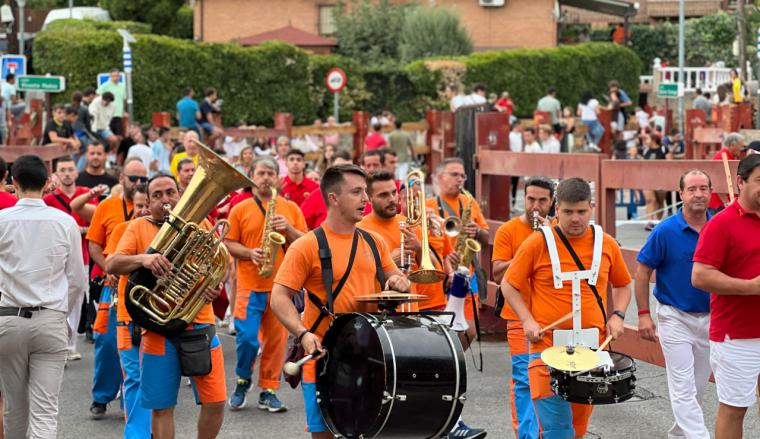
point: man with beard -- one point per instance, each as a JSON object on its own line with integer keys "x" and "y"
{"x": 539, "y": 197}
{"x": 95, "y": 170}
{"x": 160, "y": 363}
{"x": 253, "y": 312}
{"x": 683, "y": 312}
{"x": 66, "y": 170}
{"x": 111, "y": 212}
{"x": 136, "y": 417}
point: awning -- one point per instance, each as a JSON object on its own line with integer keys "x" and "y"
{"x": 618, "y": 8}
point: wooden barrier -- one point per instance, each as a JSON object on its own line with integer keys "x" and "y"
{"x": 48, "y": 153}
{"x": 695, "y": 118}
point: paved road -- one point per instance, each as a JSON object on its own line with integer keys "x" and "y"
{"x": 487, "y": 406}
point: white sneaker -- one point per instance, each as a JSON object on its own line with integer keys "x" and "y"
{"x": 73, "y": 356}
{"x": 231, "y": 329}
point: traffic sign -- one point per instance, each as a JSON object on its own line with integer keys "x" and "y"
{"x": 105, "y": 77}
{"x": 335, "y": 79}
{"x": 669, "y": 90}
{"x": 47, "y": 84}
{"x": 15, "y": 64}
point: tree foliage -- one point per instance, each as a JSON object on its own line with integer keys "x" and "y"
{"x": 431, "y": 32}
{"x": 167, "y": 17}
{"x": 368, "y": 32}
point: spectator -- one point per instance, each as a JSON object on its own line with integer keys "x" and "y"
{"x": 94, "y": 173}
{"x": 738, "y": 90}
{"x": 10, "y": 96}
{"x": 331, "y": 138}
{"x": 654, "y": 150}
{"x": 505, "y": 104}
{"x": 246, "y": 159}
{"x": 549, "y": 143}
{"x": 529, "y": 141}
{"x": 372, "y": 161}
{"x": 234, "y": 144}
{"x": 314, "y": 208}
{"x": 375, "y": 139}
{"x": 283, "y": 146}
{"x": 5, "y": 116}
{"x": 401, "y": 144}
{"x": 140, "y": 149}
{"x": 516, "y": 138}
{"x": 733, "y": 145}
{"x": 623, "y": 102}
{"x": 208, "y": 108}
{"x": 674, "y": 143}
{"x": 550, "y": 104}
{"x": 325, "y": 159}
{"x": 702, "y": 102}
{"x": 455, "y": 95}
{"x": 189, "y": 112}
{"x": 313, "y": 142}
{"x": 185, "y": 172}
{"x": 588, "y": 110}
{"x": 81, "y": 126}
{"x": 6, "y": 200}
{"x": 102, "y": 111}
{"x": 58, "y": 130}
{"x": 262, "y": 146}
{"x": 295, "y": 186}
{"x": 390, "y": 160}
{"x": 162, "y": 152}
{"x": 118, "y": 90}
{"x": 568, "y": 121}
{"x": 191, "y": 151}
{"x": 642, "y": 118}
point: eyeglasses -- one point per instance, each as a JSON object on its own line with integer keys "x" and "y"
{"x": 136, "y": 178}
{"x": 463, "y": 176}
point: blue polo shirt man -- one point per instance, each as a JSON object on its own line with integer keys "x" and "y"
{"x": 683, "y": 311}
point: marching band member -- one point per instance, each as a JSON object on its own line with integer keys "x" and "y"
{"x": 531, "y": 275}
{"x": 136, "y": 417}
{"x": 683, "y": 312}
{"x": 727, "y": 264}
{"x": 249, "y": 221}
{"x": 372, "y": 269}
{"x": 161, "y": 374}
{"x": 111, "y": 212}
{"x": 539, "y": 197}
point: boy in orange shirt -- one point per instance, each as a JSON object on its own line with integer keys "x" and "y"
{"x": 161, "y": 375}
{"x": 344, "y": 190}
{"x": 539, "y": 196}
{"x": 253, "y": 313}
{"x": 532, "y": 266}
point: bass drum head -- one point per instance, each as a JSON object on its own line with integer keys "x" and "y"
{"x": 356, "y": 367}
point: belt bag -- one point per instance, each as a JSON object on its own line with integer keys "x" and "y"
{"x": 194, "y": 350}
{"x": 136, "y": 334}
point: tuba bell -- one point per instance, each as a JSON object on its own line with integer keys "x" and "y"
{"x": 167, "y": 305}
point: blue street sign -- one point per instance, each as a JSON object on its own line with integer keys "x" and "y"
{"x": 127, "y": 55}
{"x": 105, "y": 77}
{"x": 15, "y": 64}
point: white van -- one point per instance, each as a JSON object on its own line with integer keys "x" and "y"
{"x": 78, "y": 13}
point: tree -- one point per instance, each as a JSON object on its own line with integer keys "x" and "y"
{"x": 433, "y": 32}
{"x": 369, "y": 32}
{"x": 167, "y": 17}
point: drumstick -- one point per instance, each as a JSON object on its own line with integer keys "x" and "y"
{"x": 292, "y": 369}
{"x": 729, "y": 180}
{"x": 606, "y": 342}
{"x": 560, "y": 321}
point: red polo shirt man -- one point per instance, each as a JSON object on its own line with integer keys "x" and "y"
{"x": 733, "y": 144}
{"x": 6, "y": 200}
{"x": 727, "y": 264}
{"x": 295, "y": 186}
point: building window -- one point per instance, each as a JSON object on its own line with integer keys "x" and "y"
{"x": 327, "y": 20}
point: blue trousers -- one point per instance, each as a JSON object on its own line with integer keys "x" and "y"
{"x": 556, "y": 415}
{"x": 138, "y": 418}
{"x": 527, "y": 424}
{"x": 107, "y": 369}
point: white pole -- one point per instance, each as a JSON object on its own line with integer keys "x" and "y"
{"x": 336, "y": 107}
{"x": 681, "y": 62}
{"x": 127, "y": 55}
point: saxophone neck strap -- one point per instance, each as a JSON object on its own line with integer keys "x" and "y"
{"x": 444, "y": 205}
{"x": 261, "y": 206}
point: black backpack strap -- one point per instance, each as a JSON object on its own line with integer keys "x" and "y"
{"x": 63, "y": 203}
{"x": 376, "y": 254}
{"x": 582, "y": 268}
{"x": 325, "y": 258}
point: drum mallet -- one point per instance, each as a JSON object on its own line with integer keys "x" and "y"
{"x": 292, "y": 368}
{"x": 729, "y": 179}
{"x": 605, "y": 343}
{"x": 558, "y": 322}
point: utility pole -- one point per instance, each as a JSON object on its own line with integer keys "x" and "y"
{"x": 741, "y": 23}
{"x": 681, "y": 62}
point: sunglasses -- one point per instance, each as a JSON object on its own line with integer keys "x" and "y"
{"x": 136, "y": 178}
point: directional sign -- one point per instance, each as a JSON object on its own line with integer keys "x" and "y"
{"x": 335, "y": 79}
{"x": 15, "y": 64}
{"x": 669, "y": 90}
{"x": 47, "y": 84}
{"x": 105, "y": 77}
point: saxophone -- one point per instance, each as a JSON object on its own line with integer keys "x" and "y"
{"x": 466, "y": 247}
{"x": 271, "y": 241}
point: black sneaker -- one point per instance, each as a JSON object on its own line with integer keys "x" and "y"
{"x": 97, "y": 410}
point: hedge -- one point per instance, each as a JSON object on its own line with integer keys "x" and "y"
{"x": 75, "y": 25}
{"x": 256, "y": 82}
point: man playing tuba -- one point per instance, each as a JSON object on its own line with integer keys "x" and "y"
{"x": 259, "y": 229}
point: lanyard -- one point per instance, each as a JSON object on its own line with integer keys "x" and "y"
{"x": 127, "y": 214}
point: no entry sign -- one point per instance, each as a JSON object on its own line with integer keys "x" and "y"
{"x": 335, "y": 79}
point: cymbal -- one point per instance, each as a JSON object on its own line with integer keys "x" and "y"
{"x": 570, "y": 358}
{"x": 391, "y": 296}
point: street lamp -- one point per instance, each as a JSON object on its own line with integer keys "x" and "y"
{"x": 127, "y": 59}
{"x": 21, "y": 5}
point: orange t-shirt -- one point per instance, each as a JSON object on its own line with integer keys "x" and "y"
{"x": 113, "y": 242}
{"x": 107, "y": 215}
{"x": 509, "y": 237}
{"x": 303, "y": 269}
{"x": 454, "y": 202}
{"x": 136, "y": 240}
{"x": 247, "y": 228}
{"x": 389, "y": 230}
{"x": 532, "y": 264}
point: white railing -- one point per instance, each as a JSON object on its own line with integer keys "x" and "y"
{"x": 646, "y": 79}
{"x": 705, "y": 78}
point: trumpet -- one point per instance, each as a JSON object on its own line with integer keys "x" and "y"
{"x": 416, "y": 209}
{"x": 536, "y": 220}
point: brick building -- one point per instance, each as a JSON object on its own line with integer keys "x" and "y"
{"x": 517, "y": 23}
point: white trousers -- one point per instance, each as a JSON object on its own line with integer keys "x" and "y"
{"x": 684, "y": 338}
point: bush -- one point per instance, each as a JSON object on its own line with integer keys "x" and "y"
{"x": 433, "y": 32}
{"x": 74, "y": 25}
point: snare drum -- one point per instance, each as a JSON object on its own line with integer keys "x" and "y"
{"x": 597, "y": 386}
{"x": 391, "y": 376}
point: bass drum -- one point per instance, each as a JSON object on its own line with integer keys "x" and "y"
{"x": 391, "y": 376}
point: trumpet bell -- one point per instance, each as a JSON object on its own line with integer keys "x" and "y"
{"x": 452, "y": 226}
{"x": 426, "y": 276}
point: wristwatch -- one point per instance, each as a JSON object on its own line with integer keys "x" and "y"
{"x": 620, "y": 314}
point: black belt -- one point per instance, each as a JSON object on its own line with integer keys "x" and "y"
{"x": 25, "y": 312}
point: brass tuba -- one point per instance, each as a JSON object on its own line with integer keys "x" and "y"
{"x": 271, "y": 241}
{"x": 417, "y": 215}
{"x": 167, "y": 305}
